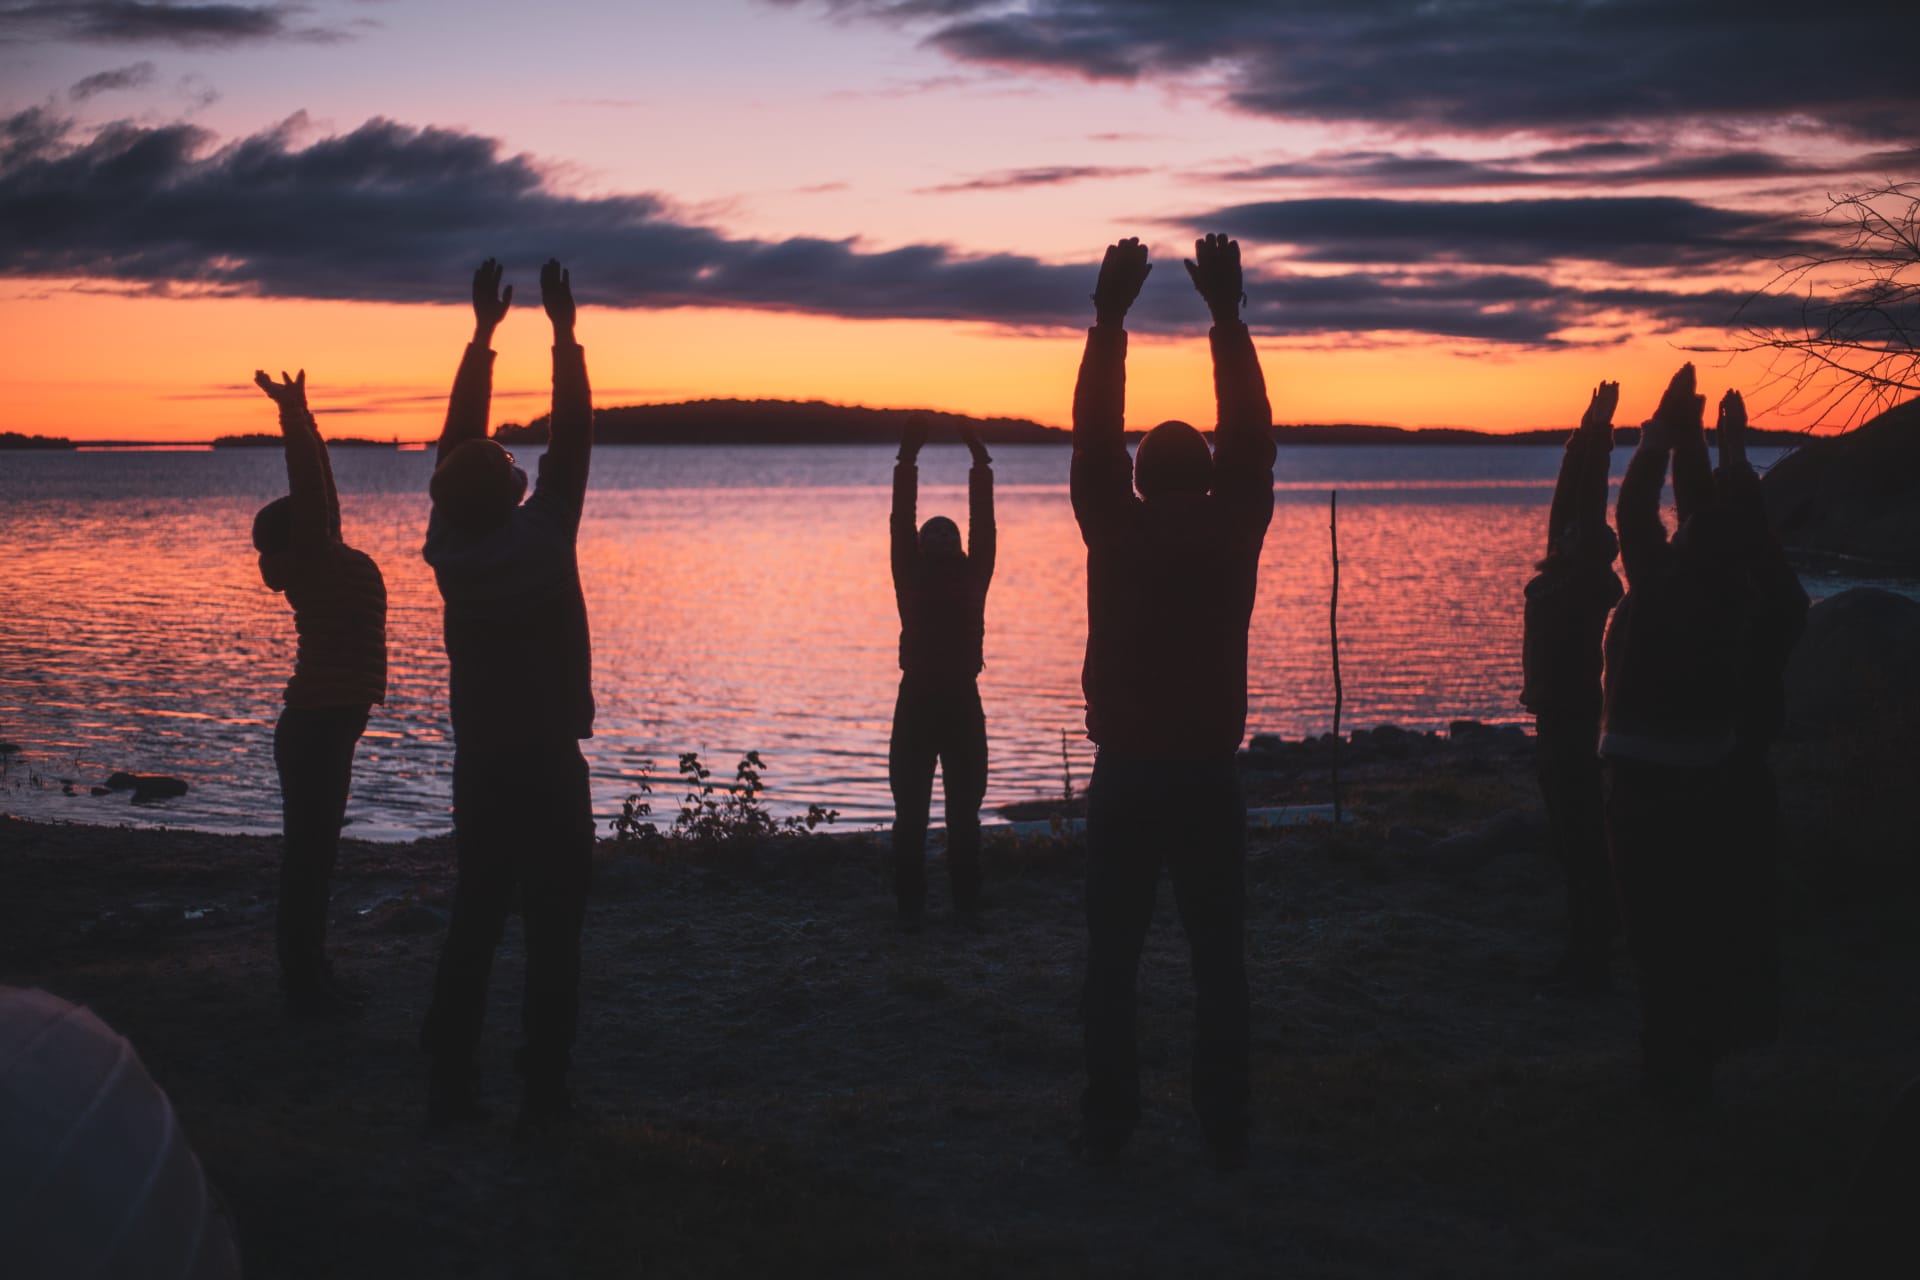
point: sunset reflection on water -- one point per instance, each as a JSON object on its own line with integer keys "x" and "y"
{"x": 739, "y": 600}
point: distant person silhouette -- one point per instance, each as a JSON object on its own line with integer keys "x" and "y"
{"x": 519, "y": 667}
{"x": 1173, "y": 550}
{"x": 340, "y": 670}
{"x": 1567, "y": 603}
{"x": 1668, "y": 738}
{"x": 941, "y": 591}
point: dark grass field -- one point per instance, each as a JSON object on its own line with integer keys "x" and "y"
{"x": 775, "y": 1081}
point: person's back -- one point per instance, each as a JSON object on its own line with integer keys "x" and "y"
{"x": 1173, "y": 550}
{"x": 521, "y": 699}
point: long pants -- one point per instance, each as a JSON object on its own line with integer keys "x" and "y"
{"x": 522, "y": 817}
{"x": 1696, "y": 897}
{"x": 937, "y": 721}
{"x": 1189, "y": 817}
{"x": 1572, "y": 785}
{"x": 313, "y": 751}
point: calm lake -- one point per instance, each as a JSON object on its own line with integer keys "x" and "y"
{"x": 739, "y": 600}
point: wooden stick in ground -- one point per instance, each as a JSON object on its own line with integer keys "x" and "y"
{"x": 1333, "y": 626}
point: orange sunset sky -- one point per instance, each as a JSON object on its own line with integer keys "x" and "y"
{"x": 1452, "y": 215}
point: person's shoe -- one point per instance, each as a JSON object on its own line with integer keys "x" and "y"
{"x": 453, "y": 1102}
{"x": 319, "y": 1001}
{"x": 1095, "y": 1152}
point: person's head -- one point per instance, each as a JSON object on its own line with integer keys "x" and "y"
{"x": 940, "y": 540}
{"x": 1707, "y": 538}
{"x": 1173, "y": 458}
{"x": 478, "y": 484}
{"x": 272, "y": 538}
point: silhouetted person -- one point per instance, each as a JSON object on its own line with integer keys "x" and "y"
{"x": 1567, "y": 604}
{"x": 521, "y": 699}
{"x": 1776, "y": 615}
{"x": 1173, "y": 549}
{"x": 942, "y": 594}
{"x": 1668, "y": 736}
{"x": 340, "y": 614}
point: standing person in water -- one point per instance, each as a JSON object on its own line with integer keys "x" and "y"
{"x": 340, "y": 614}
{"x": 521, "y": 699}
{"x": 1173, "y": 549}
{"x": 1567, "y": 604}
{"x": 941, "y": 591}
{"x": 1668, "y": 739}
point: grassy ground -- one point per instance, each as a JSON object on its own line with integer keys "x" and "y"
{"x": 779, "y": 1082}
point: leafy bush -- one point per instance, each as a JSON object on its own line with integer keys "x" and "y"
{"x": 713, "y": 813}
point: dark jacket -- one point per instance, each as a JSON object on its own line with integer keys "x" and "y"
{"x": 518, "y": 652}
{"x": 1670, "y": 682}
{"x": 942, "y": 603}
{"x": 339, "y": 598}
{"x": 1170, "y": 583}
{"x": 1568, "y": 601}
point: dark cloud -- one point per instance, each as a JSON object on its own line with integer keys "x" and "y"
{"x": 1477, "y": 65}
{"x": 1048, "y": 176}
{"x": 133, "y": 77}
{"x": 1558, "y": 167}
{"x": 138, "y": 22}
{"x": 1626, "y": 231}
{"x": 399, "y": 214}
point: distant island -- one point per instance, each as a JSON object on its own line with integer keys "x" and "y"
{"x": 273, "y": 440}
{"x": 14, "y": 440}
{"x": 744, "y": 422}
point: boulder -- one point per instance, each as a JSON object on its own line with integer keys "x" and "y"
{"x": 147, "y": 787}
{"x": 1857, "y": 666}
{"x": 1856, "y": 494}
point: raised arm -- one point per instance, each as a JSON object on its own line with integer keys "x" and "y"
{"x": 1243, "y": 433}
{"x": 473, "y": 384}
{"x": 903, "y": 530}
{"x": 569, "y": 455}
{"x": 982, "y": 542}
{"x": 1643, "y": 539}
{"x": 1102, "y": 471}
{"x": 1683, "y": 411}
{"x": 307, "y": 482}
{"x": 1576, "y": 497}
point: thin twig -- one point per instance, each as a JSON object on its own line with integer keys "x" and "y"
{"x": 1333, "y": 625}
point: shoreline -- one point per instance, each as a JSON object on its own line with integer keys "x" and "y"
{"x": 777, "y": 1081}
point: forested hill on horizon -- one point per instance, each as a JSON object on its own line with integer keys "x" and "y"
{"x": 817, "y": 422}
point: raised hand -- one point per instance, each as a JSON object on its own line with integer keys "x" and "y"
{"x": 1599, "y": 414}
{"x": 289, "y": 393}
{"x": 1680, "y": 408}
{"x": 1122, "y": 272}
{"x": 971, "y": 438}
{"x": 1733, "y": 428}
{"x": 913, "y": 437}
{"x": 1215, "y": 272}
{"x": 489, "y": 302}
{"x": 556, "y": 295}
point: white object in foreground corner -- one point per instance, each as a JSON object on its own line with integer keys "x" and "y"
{"x": 96, "y": 1178}
{"x": 1293, "y": 815}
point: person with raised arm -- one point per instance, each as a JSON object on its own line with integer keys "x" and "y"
{"x": 339, "y": 605}
{"x": 1777, "y": 616}
{"x": 521, "y": 698}
{"x": 1668, "y": 735}
{"x": 1173, "y": 540}
{"x": 1567, "y": 603}
{"x": 941, "y": 592}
